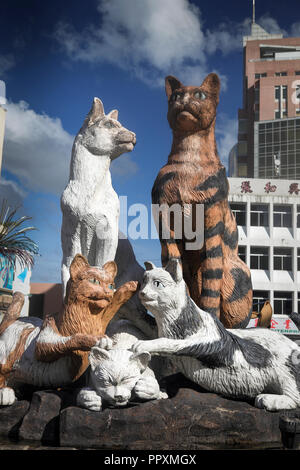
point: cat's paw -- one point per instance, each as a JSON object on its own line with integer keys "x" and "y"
{"x": 163, "y": 396}
{"x": 147, "y": 388}
{"x": 104, "y": 343}
{"x": 272, "y": 402}
{"x": 7, "y": 396}
{"x": 143, "y": 346}
{"x": 88, "y": 398}
{"x": 126, "y": 291}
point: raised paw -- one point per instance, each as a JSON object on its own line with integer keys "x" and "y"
{"x": 126, "y": 291}
{"x": 7, "y": 396}
{"x": 104, "y": 343}
{"x": 88, "y": 398}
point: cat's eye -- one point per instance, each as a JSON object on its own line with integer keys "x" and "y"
{"x": 111, "y": 286}
{"x": 94, "y": 281}
{"x": 199, "y": 95}
{"x": 158, "y": 284}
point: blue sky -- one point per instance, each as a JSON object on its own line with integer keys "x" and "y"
{"x": 56, "y": 56}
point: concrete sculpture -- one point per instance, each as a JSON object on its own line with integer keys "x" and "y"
{"x": 241, "y": 363}
{"x": 117, "y": 375}
{"x": 54, "y": 352}
{"x": 90, "y": 207}
{"x": 89, "y": 204}
{"x": 218, "y": 280}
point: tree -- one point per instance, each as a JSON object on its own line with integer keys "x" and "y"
{"x": 14, "y": 242}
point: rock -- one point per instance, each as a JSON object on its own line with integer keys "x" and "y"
{"x": 11, "y": 418}
{"x": 42, "y": 420}
{"x": 188, "y": 421}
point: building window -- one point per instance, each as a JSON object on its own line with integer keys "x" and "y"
{"x": 259, "y": 215}
{"x": 298, "y": 218}
{"x": 259, "y": 298}
{"x": 242, "y": 148}
{"x": 298, "y": 261}
{"x": 277, "y": 92}
{"x": 260, "y": 75}
{"x": 282, "y": 216}
{"x": 259, "y": 257}
{"x": 239, "y": 211}
{"x": 283, "y": 259}
{"x": 280, "y": 74}
{"x": 297, "y": 72}
{"x": 298, "y": 296}
{"x": 283, "y": 303}
{"x": 242, "y": 252}
{"x": 277, "y": 114}
{"x": 284, "y": 92}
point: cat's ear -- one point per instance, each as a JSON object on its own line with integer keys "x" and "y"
{"x": 114, "y": 114}
{"x": 78, "y": 264}
{"x": 96, "y": 112}
{"x": 97, "y": 354}
{"x": 149, "y": 266}
{"x": 142, "y": 358}
{"x": 111, "y": 268}
{"x": 212, "y": 82}
{"x": 174, "y": 268}
{"x": 171, "y": 84}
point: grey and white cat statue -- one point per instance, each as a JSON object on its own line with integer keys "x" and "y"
{"x": 117, "y": 375}
{"x": 252, "y": 363}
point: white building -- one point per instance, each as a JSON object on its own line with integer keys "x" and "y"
{"x": 268, "y": 217}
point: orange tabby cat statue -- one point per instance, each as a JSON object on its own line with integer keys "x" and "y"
{"x": 54, "y": 352}
{"x": 218, "y": 280}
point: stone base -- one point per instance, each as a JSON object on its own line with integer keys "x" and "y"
{"x": 190, "y": 419}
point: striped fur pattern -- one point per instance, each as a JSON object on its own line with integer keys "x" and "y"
{"x": 218, "y": 280}
{"x": 254, "y": 363}
{"x": 54, "y": 352}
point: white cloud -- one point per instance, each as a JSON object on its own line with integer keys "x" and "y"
{"x": 226, "y": 136}
{"x": 154, "y": 38}
{"x": 12, "y": 192}
{"x": 149, "y": 38}
{"x": 37, "y": 149}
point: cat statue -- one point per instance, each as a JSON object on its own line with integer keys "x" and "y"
{"x": 117, "y": 375}
{"x": 218, "y": 280}
{"x": 54, "y": 352}
{"x": 255, "y": 363}
{"x": 90, "y": 206}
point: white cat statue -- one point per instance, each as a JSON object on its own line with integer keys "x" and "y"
{"x": 117, "y": 375}
{"x": 255, "y": 363}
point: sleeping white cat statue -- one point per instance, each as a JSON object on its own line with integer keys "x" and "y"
{"x": 253, "y": 363}
{"x": 117, "y": 375}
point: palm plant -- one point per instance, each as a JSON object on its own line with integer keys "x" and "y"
{"x": 14, "y": 242}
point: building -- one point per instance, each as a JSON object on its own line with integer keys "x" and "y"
{"x": 269, "y": 121}
{"x": 268, "y": 218}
